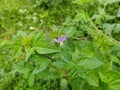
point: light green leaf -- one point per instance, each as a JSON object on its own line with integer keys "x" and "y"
{"x": 65, "y": 56}
{"x": 108, "y": 28}
{"x": 114, "y": 59}
{"x": 93, "y": 79}
{"x": 42, "y": 50}
{"x": 108, "y": 1}
{"x": 112, "y": 79}
{"x": 80, "y": 16}
{"x": 64, "y": 84}
{"x": 70, "y": 31}
{"x": 105, "y": 77}
{"x": 90, "y": 63}
{"x": 29, "y": 52}
{"x": 20, "y": 67}
{"x": 111, "y": 1}
{"x": 31, "y": 80}
{"x": 42, "y": 65}
{"x": 81, "y": 2}
{"x": 115, "y": 85}
{"x": 22, "y": 35}
{"x": 75, "y": 56}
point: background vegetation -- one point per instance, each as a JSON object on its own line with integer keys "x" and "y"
{"x": 30, "y": 59}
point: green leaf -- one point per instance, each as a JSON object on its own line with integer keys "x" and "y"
{"x": 105, "y": 77}
{"x": 67, "y": 21}
{"x": 114, "y": 59}
{"x": 31, "y": 80}
{"x": 90, "y": 63}
{"x": 76, "y": 56}
{"x": 42, "y": 65}
{"x": 86, "y": 49}
{"x": 115, "y": 85}
{"x": 93, "y": 79}
{"x": 112, "y": 79}
{"x": 70, "y": 31}
{"x": 64, "y": 84}
{"x": 29, "y": 52}
{"x": 108, "y": 1}
{"x": 77, "y": 76}
{"x": 108, "y": 28}
{"x": 111, "y": 1}
{"x": 17, "y": 51}
{"x": 42, "y": 50}
{"x": 20, "y": 67}
{"x": 64, "y": 54}
{"x": 81, "y": 2}
{"x": 81, "y": 16}
{"x": 77, "y": 82}
{"x": 22, "y": 35}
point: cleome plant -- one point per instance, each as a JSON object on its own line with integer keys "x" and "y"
{"x": 59, "y": 45}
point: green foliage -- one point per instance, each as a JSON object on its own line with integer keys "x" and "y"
{"x": 31, "y": 59}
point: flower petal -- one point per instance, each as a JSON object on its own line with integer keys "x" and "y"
{"x": 56, "y": 40}
{"x": 60, "y": 39}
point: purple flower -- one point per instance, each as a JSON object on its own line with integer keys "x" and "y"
{"x": 60, "y": 39}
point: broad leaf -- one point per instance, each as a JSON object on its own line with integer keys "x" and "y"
{"x": 29, "y": 52}
{"x": 20, "y": 67}
{"x": 42, "y": 50}
{"x": 93, "y": 79}
{"x": 31, "y": 80}
{"x": 90, "y": 63}
{"x": 65, "y": 55}
{"x": 42, "y": 65}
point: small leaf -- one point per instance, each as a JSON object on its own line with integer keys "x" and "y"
{"x": 111, "y": 1}
{"x": 29, "y": 52}
{"x": 22, "y": 35}
{"x": 114, "y": 59}
{"x": 31, "y": 80}
{"x": 42, "y": 50}
{"x": 118, "y": 14}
